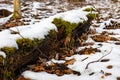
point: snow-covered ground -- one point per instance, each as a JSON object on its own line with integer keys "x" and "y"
{"x": 100, "y": 70}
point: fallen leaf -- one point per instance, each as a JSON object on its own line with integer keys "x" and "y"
{"x": 102, "y": 77}
{"x": 108, "y": 74}
{"x": 59, "y": 73}
{"x": 76, "y": 73}
{"x": 101, "y": 38}
{"x": 105, "y": 60}
{"x": 70, "y": 62}
{"x": 118, "y": 78}
{"x": 110, "y": 67}
{"x": 22, "y": 78}
{"x": 68, "y": 71}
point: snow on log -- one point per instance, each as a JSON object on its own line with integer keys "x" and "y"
{"x": 23, "y": 44}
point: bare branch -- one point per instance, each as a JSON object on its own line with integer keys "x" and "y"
{"x": 98, "y": 59}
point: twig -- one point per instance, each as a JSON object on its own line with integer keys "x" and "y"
{"x": 42, "y": 53}
{"x": 98, "y": 59}
{"x": 84, "y": 59}
{"x": 17, "y": 32}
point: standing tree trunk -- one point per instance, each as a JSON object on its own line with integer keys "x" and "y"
{"x": 17, "y": 9}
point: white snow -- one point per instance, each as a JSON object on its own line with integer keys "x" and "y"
{"x": 6, "y": 6}
{"x": 3, "y": 54}
{"x": 4, "y": 20}
{"x": 39, "y": 30}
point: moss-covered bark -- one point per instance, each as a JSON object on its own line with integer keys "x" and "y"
{"x": 16, "y": 58}
{"x": 30, "y": 50}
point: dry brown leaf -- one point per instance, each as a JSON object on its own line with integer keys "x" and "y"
{"x": 39, "y": 68}
{"x": 108, "y": 74}
{"x": 114, "y": 39}
{"x": 118, "y": 78}
{"x": 89, "y": 50}
{"x": 71, "y": 52}
{"x": 52, "y": 64}
{"x": 110, "y": 67}
{"x": 67, "y": 41}
{"x": 117, "y": 43}
{"x": 100, "y": 38}
{"x": 68, "y": 71}
{"x": 102, "y": 77}
{"x": 107, "y": 38}
{"x": 86, "y": 53}
{"x": 59, "y": 73}
{"x": 22, "y": 78}
{"x": 70, "y": 62}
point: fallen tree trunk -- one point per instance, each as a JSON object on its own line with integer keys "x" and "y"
{"x": 29, "y": 50}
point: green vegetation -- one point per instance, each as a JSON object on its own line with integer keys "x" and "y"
{"x": 1, "y": 60}
{"x": 25, "y": 45}
{"x": 65, "y": 25}
{"x": 92, "y": 13}
{"x": 52, "y": 34}
{"x": 8, "y": 50}
{"x": 92, "y": 16}
{"x": 89, "y": 9}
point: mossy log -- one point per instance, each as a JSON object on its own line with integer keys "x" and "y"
{"x": 29, "y": 50}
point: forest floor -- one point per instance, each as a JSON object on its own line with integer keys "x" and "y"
{"x": 97, "y": 57}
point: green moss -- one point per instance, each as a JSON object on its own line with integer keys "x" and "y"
{"x": 92, "y": 16}
{"x": 65, "y": 25}
{"x": 26, "y": 45}
{"x": 52, "y": 33}
{"x": 1, "y": 60}
{"x": 8, "y": 74}
{"x": 89, "y": 9}
{"x": 8, "y": 50}
{"x": 92, "y": 13}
